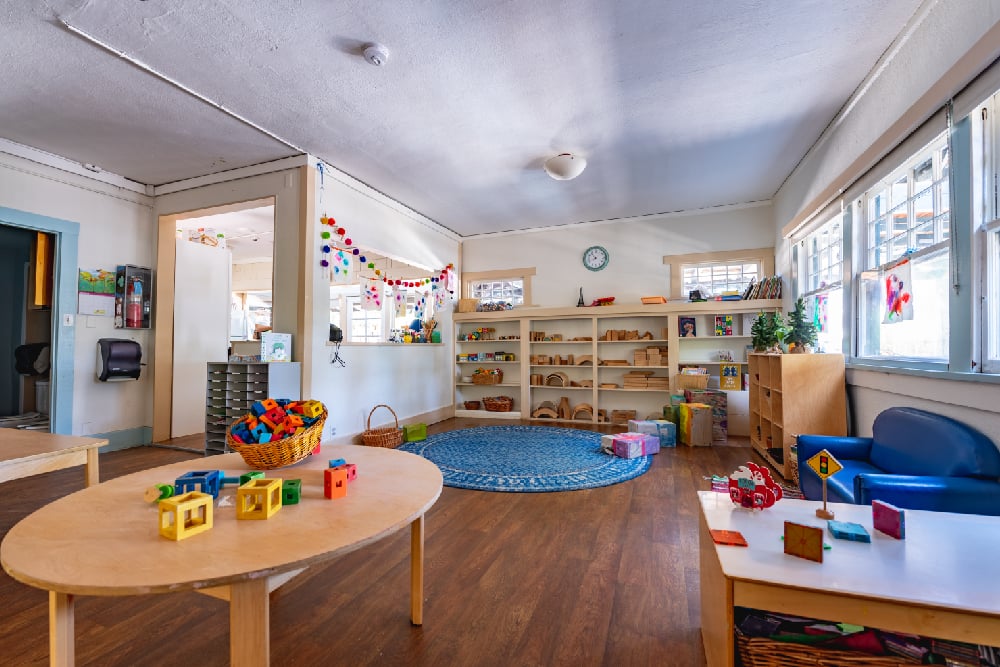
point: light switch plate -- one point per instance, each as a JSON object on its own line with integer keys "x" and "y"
{"x": 68, "y": 320}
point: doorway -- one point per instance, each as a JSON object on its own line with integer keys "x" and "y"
{"x": 217, "y": 252}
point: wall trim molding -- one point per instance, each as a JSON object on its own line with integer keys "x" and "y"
{"x": 125, "y": 439}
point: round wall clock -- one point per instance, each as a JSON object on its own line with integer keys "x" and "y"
{"x": 595, "y": 258}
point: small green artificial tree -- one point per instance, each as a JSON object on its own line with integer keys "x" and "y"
{"x": 801, "y": 330}
{"x": 767, "y": 332}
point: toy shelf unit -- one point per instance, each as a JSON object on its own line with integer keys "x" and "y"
{"x": 133, "y": 297}
{"x": 490, "y": 344}
{"x": 561, "y": 380}
{"x": 791, "y": 394}
{"x": 234, "y": 386}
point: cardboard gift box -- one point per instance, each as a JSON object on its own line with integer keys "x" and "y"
{"x": 695, "y": 424}
{"x": 608, "y": 444}
{"x": 663, "y": 429}
{"x": 632, "y": 445}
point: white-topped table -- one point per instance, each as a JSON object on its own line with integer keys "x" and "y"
{"x": 64, "y": 547}
{"x": 24, "y": 453}
{"x": 942, "y": 581}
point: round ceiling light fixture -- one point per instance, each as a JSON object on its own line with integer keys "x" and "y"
{"x": 376, "y": 54}
{"x": 565, "y": 166}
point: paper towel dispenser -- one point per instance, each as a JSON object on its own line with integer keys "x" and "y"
{"x": 118, "y": 359}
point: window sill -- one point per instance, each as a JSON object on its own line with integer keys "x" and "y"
{"x": 351, "y": 344}
{"x": 930, "y": 373}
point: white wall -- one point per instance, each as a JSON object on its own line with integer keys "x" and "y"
{"x": 116, "y": 227}
{"x": 252, "y": 277}
{"x": 945, "y": 37}
{"x": 637, "y": 248}
{"x": 412, "y": 379}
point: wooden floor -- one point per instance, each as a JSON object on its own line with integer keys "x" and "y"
{"x": 604, "y": 576}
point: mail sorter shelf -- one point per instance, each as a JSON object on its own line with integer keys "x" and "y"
{"x": 234, "y": 386}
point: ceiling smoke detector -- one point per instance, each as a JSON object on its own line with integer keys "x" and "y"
{"x": 376, "y": 54}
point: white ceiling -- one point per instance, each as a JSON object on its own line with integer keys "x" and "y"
{"x": 676, "y": 105}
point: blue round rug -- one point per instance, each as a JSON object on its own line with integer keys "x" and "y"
{"x": 525, "y": 459}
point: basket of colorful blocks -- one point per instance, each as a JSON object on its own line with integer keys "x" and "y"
{"x": 277, "y": 432}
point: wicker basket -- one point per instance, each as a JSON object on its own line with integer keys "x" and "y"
{"x": 384, "y": 436}
{"x": 472, "y": 405}
{"x": 691, "y": 381}
{"x": 487, "y": 378}
{"x": 498, "y": 403}
{"x": 279, "y": 453}
{"x": 467, "y": 305}
{"x": 766, "y": 652}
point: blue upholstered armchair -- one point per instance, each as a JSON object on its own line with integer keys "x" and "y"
{"x": 914, "y": 459}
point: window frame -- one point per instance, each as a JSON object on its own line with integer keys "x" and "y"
{"x": 524, "y": 274}
{"x": 763, "y": 257}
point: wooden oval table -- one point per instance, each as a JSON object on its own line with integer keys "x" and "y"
{"x": 104, "y": 540}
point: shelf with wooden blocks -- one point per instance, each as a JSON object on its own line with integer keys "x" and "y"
{"x": 620, "y": 334}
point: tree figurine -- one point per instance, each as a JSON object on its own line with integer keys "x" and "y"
{"x": 801, "y": 330}
{"x": 767, "y": 332}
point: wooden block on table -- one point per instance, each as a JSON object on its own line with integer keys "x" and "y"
{"x": 804, "y": 541}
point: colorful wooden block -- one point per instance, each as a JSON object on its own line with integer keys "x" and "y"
{"x": 889, "y": 519}
{"x": 334, "y": 483}
{"x": 414, "y": 432}
{"x": 312, "y": 409}
{"x": 230, "y": 480}
{"x": 293, "y": 420}
{"x": 845, "y": 530}
{"x": 275, "y": 415}
{"x": 291, "y": 491}
{"x": 257, "y": 409}
{"x": 804, "y": 541}
{"x": 185, "y": 515}
{"x": 264, "y": 437}
{"x": 158, "y": 492}
{"x": 336, "y": 462}
{"x": 351, "y": 469}
{"x": 206, "y": 481}
{"x": 258, "y": 499}
{"x": 269, "y": 404}
{"x": 253, "y": 474}
{"x": 265, "y": 421}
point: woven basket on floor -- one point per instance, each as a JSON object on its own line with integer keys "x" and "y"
{"x": 767, "y": 652}
{"x": 278, "y": 453}
{"x": 385, "y": 436}
{"x": 498, "y": 403}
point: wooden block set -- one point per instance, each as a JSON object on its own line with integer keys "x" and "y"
{"x": 650, "y": 356}
{"x": 274, "y": 419}
{"x": 559, "y": 360}
{"x": 186, "y": 507}
{"x": 581, "y": 411}
{"x": 645, "y": 380}
{"x": 622, "y": 334}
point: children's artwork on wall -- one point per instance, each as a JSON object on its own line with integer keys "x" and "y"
{"x": 440, "y": 294}
{"x": 371, "y": 298}
{"x": 340, "y": 267}
{"x": 820, "y": 313}
{"x": 686, "y": 326}
{"x": 96, "y": 292}
{"x": 723, "y": 325}
{"x": 898, "y": 293}
{"x": 399, "y": 297}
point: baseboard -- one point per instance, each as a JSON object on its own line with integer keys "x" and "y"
{"x": 130, "y": 437}
{"x": 430, "y": 417}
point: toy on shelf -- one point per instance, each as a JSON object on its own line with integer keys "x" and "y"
{"x": 185, "y": 515}
{"x": 751, "y": 486}
{"x": 824, "y": 465}
{"x": 889, "y": 519}
{"x": 804, "y": 541}
{"x": 259, "y": 498}
{"x": 603, "y": 301}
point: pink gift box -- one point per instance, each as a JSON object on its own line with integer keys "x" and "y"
{"x": 632, "y": 445}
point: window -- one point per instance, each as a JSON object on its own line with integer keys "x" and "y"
{"x": 502, "y": 290}
{"x": 511, "y": 286}
{"x": 907, "y": 226}
{"x": 358, "y": 325}
{"x": 823, "y": 276}
{"x": 717, "y": 278}
{"x": 988, "y": 221}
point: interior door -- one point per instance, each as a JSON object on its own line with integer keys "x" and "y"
{"x": 201, "y": 329}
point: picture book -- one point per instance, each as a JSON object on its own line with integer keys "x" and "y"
{"x": 729, "y": 377}
{"x": 687, "y": 327}
{"x": 723, "y": 325}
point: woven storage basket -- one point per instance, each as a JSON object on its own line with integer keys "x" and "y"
{"x": 498, "y": 403}
{"x": 699, "y": 381}
{"x": 384, "y": 436}
{"x": 472, "y": 405}
{"x": 278, "y": 453}
{"x": 766, "y": 652}
{"x": 487, "y": 378}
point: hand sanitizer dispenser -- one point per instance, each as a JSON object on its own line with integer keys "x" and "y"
{"x": 118, "y": 359}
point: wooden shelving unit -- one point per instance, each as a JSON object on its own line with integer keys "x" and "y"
{"x": 791, "y": 394}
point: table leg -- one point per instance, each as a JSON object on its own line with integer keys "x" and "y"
{"x": 249, "y": 624}
{"x": 62, "y": 642}
{"x": 417, "y": 571}
{"x": 93, "y": 471}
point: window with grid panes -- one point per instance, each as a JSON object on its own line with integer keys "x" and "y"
{"x": 823, "y": 276}
{"x": 720, "y": 277}
{"x": 508, "y": 290}
{"x": 907, "y": 215}
{"x": 988, "y": 236}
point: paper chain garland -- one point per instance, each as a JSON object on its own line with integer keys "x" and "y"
{"x": 344, "y": 257}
